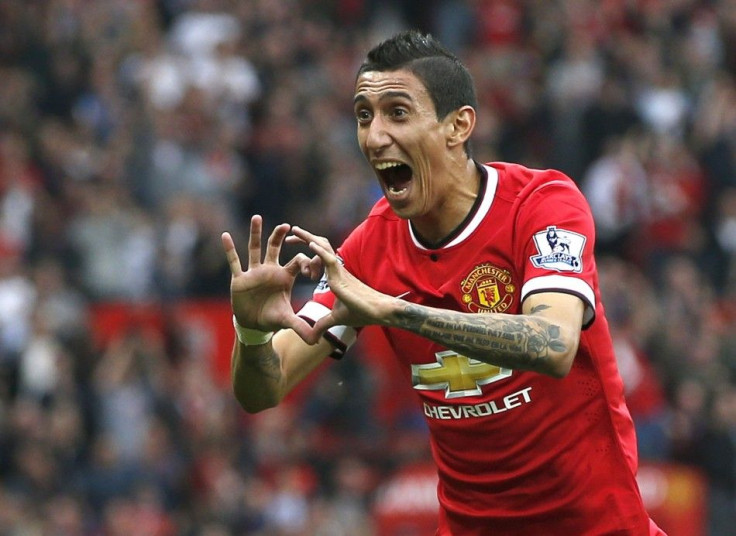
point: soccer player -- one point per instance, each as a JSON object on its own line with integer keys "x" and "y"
{"x": 483, "y": 278}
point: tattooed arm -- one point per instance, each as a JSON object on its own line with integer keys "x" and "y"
{"x": 263, "y": 375}
{"x": 543, "y": 339}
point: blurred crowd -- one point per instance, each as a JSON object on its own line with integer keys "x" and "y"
{"x": 133, "y": 132}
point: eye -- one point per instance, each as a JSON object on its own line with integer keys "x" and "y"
{"x": 363, "y": 115}
{"x": 399, "y": 112}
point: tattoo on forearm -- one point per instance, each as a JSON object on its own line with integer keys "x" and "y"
{"x": 270, "y": 365}
{"x": 265, "y": 362}
{"x": 520, "y": 343}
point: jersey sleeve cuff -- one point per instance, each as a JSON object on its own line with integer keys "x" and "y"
{"x": 340, "y": 337}
{"x": 560, "y": 283}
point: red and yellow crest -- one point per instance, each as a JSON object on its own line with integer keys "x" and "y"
{"x": 488, "y": 289}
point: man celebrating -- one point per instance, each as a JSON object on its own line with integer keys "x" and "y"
{"x": 500, "y": 331}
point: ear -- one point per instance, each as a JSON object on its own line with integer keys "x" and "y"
{"x": 460, "y": 125}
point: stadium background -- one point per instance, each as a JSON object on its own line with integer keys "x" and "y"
{"x": 132, "y": 132}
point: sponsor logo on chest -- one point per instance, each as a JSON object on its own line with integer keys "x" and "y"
{"x": 470, "y": 411}
{"x": 456, "y": 375}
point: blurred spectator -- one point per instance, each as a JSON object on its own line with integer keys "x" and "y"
{"x": 288, "y": 511}
{"x": 630, "y": 306}
{"x": 616, "y": 186}
{"x": 573, "y": 81}
{"x": 689, "y": 418}
{"x": 17, "y": 300}
{"x": 114, "y": 243}
{"x": 40, "y": 361}
{"x": 678, "y": 193}
{"x": 724, "y": 221}
{"x": 610, "y": 116}
{"x": 663, "y": 104}
{"x": 19, "y": 177}
{"x": 125, "y": 385}
{"x": 688, "y": 334}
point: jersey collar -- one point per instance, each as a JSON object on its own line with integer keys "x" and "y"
{"x": 481, "y": 207}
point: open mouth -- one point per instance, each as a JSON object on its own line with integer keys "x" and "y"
{"x": 395, "y": 176}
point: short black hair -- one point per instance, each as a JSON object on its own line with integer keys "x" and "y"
{"x": 448, "y": 82}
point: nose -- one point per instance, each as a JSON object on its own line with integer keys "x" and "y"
{"x": 376, "y": 135}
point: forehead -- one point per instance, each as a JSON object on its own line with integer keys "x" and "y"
{"x": 373, "y": 85}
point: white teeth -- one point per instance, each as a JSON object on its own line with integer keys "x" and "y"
{"x": 385, "y": 165}
{"x": 395, "y": 190}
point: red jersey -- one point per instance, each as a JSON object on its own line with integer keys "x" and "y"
{"x": 517, "y": 452}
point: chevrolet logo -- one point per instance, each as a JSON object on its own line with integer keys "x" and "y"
{"x": 456, "y": 374}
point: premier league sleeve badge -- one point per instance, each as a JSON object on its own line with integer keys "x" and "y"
{"x": 559, "y": 250}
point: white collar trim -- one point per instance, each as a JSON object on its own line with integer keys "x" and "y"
{"x": 480, "y": 214}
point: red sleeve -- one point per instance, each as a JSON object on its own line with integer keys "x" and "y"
{"x": 555, "y": 235}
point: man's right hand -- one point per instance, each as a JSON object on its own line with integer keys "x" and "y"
{"x": 261, "y": 295}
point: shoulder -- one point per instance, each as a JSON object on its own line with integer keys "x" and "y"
{"x": 379, "y": 218}
{"x": 379, "y": 221}
{"x": 365, "y": 247}
{"x": 525, "y": 180}
{"x": 381, "y": 211}
{"x": 520, "y": 184}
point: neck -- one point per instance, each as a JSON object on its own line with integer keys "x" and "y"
{"x": 452, "y": 209}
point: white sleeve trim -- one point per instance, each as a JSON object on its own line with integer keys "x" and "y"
{"x": 314, "y": 311}
{"x": 573, "y": 285}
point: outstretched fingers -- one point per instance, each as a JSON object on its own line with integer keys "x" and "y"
{"x": 254, "y": 241}
{"x": 275, "y": 241}
{"x": 231, "y": 254}
{"x": 273, "y": 246}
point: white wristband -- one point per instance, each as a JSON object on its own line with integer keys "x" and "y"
{"x": 251, "y": 337}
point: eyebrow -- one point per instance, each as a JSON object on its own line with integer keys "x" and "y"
{"x": 384, "y": 96}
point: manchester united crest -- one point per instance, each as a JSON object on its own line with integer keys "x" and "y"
{"x": 488, "y": 289}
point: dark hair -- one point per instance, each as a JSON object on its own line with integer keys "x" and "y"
{"x": 448, "y": 81}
